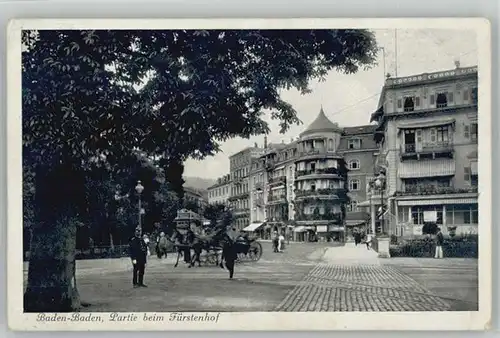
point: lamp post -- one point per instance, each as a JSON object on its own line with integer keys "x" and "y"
{"x": 380, "y": 184}
{"x": 139, "y": 188}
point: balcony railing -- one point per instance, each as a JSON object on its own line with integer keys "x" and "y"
{"x": 276, "y": 199}
{"x": 318, "y": 192}
{"x": 333, "y": 217}
{"x": 427, "y": 148}
{"x": 278, "y": 180}
{"x": 334, "y": 171}
{"x": 434, "y": 190}
{"x": 315, "y": 151}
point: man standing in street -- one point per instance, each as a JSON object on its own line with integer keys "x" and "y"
{"x": 439, "y": 244}
{"x": 138, "y": 255}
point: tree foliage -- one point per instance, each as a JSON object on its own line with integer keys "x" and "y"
{"x": 81, "y": 96}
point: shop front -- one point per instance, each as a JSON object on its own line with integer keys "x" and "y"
{"x": 455, "y": 216}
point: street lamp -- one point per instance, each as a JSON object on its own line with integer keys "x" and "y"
{"x": 139, "y": 188}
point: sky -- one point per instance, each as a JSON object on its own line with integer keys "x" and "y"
{"x": 350, "y": 99}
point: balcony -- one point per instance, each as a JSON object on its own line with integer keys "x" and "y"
{"x": 334, "y": 171}
{"x": 279, "y": 199}
{"x": 438, "y": 149}
{"x": 259, "y": 186}
{"x": 332, "y": 193}
{"x": 315, "y": 152}
{"x": 269, "y": 165}
{"x": 238, "y": 180}
{"x": 241, "y": 211}
{"x": 330, "y": 217}
{"x": 278, "y": 180}
{"x": 434, "y": 190}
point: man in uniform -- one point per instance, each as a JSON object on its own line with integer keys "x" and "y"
{"x": 138, "y": 255}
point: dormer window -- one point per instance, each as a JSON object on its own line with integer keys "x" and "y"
{"x": 409, "y": 104}
{"x": 441, "y": 100}
{"x": 354, "y": 143}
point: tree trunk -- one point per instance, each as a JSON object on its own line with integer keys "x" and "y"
{"x": 51, "y": 276}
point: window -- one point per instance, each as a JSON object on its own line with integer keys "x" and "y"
{"x": 442, "y": 134}
{"x": 330, "y": 144}
{"x": 473, "y": 132}
{"x": 313, "y": 187}
{"x": 467, "y": 174}
{"x": 352, "y": 206}
{"x": 473, "y": 95}
{"x": 353, "y": 165}
{"x": 462, "y": 214}
{"x": 354, "y": 143}
{"x": 409, "y": 103}
{"x": 354, "y": 185}
{"x": 441, "y": 100}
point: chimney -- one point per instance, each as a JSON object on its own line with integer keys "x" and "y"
{"x": 457, "y": 63}
{"x": 291, "y": 139}
{"x": 265, "y": 141}
{"x": 282, "y": 141}
{"x": 255, "y": 145}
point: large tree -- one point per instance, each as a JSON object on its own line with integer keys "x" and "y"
{"x": 172, "y": 94}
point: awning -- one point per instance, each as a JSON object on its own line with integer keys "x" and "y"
{"x": 253, "y": 226}
{"x": 438, "y": 201}
{"x": 300, "y": 228}
{"x": 427, "y": 124}
{"x": 355, "y": 222}
{"x": 473, "y": 167}
{"x": 430, "y": 168}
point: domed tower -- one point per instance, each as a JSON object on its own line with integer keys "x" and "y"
{"x": 320, "y": 180}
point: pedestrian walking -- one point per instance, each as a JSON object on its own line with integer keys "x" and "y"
{"x": 161, "y": 245}
{"x": 229, "y": 255}
{"x": 275, "y": 241}
{"x": 357, "y": 238}
{"x": 439, "y": 244}
{"x": 368, "y": 241}
{"x": 281, "y": 243}
{"x": 138, "y": 254}
{"x": 145, "y": 237}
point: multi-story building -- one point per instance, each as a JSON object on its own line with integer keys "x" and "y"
{"x": 278, "y": 170}
{"x": 427, "y": 135}
{"x": 359, "y": 150}
{"x": 239, "y": 199}
{"x": 220, "y": 192}
{"x": 320, "y": 180}
{"x": 196, "y": 197}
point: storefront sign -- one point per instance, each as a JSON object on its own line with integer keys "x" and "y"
{"x": 321, "y": 228}
{"x": 430, "y": 216}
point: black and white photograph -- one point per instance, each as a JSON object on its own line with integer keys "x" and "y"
{"x": 176, "y": 176}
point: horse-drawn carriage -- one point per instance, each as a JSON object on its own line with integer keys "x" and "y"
{"x": 208, "y": 244}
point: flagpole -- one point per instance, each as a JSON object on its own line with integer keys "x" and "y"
{"x": 396, "y": 49}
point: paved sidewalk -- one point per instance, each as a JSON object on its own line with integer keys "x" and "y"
{"x": 351, "y": 255}
{"x": 353, "y": 278}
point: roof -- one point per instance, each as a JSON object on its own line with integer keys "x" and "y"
{"x": 366, "y": 129}
{"x": 321, "y": 123}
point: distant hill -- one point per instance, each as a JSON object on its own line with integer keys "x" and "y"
{"x": 198, "y": 183}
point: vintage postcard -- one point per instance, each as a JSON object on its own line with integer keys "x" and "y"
{"x": 249, "y": 174}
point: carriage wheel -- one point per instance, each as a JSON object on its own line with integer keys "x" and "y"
{"x": 255, "y": 251}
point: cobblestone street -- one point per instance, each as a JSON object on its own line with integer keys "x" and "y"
{"x": 307, "y": 277}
